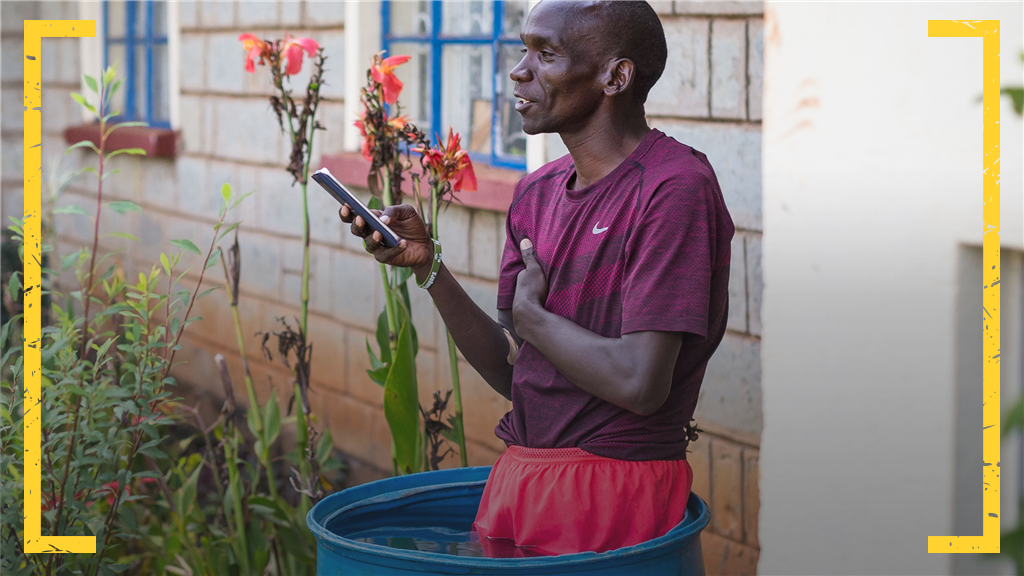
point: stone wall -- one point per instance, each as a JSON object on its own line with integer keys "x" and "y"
{"x": 709, "y": 98}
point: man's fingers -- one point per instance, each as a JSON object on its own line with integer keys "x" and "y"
{"x": 385, "y": 255}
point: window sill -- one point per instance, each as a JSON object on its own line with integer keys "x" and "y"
{"x": 159, "y": 142}
{"x": 494, "y": 185}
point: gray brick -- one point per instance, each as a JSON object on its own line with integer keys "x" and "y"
{"x": 150, "y": 232}
{"x": 12, "y": 160}
{"x": 68, "y": 71}
{"x": 730, "y": 396}
{"x": 160, "y": 183}
{"x": 193, "y": 178}
{"x": 225, "y": 63}
{"x": 257, "y": 13}
{"x": 127, "y": 182}
{"x": 193, "y": 61}
{"x": 50, "y": 58}
{"x": 11, "y": 64}
{"x": 209, "y": 126}
{"x": 718, "y": 7}
{"x": 354, "y": 290}
{"x": 72, "y": 226}
{"x": 755, "y": 283}
{"x": 755, "y": 67}
{"x": 261, "y": 264}
{"x": 662, "y": 7}
{"x": 193, "y": 123}
{"x": 484, "y": 249}
{"x": 291, "y": 12}
{"x": 737, "y": 287}
{"x": 15, "y": 13}
{"x": 188, "y": 13}
{"x": 333, "y": 44}
{"x": 734, "y": 151}
{"x": 280, "y": 203}
{"x": 11, "y": 113}
{"x": 319, "y": 276}
{"x": 728, "y": 69}
{"x": 330, "y": 141}
{"x": 216, "y": 14}
{"x": 51, "y": 10}
{"x": 453, "y": 224}
{"x": 59, "y": 110}
{"x": 325, "y": 13}
{"x": 220, "y": 173}
{"x": 683, "y": 87}
{"x": 425, "y": 318}
{"x": 246, "y": 130}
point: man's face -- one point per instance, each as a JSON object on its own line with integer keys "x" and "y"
{"x": 558, "y": 79}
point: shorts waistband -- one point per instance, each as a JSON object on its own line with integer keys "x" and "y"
{"x": 553, "y": 455}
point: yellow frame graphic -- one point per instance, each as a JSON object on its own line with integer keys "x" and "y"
{"x": 35, "y": 31}
{"x": 988, "y": 31}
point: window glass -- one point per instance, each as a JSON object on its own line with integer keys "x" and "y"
{"x": 161, "y": 90}
{"x": 462, "y": 18}
{"x": 415, "y": 77}
{"x": 514, "y": 16}
{"x": 159, "y": 19}
{"x": 410, "y": 18}
{"x": 115, "y": 19}
{"x": 510, "y": 135}
{"x": 467, "y": 101}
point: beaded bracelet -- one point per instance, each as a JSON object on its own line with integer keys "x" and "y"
{"x": 435, "y": 266}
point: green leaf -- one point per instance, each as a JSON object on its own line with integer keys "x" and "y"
{"x": 132, "y": 151}
{"x": 1015, "y": 419}
{"x": 71, "y": 209}
{"x": 324, "y": 446}
{"x": 123, "y": 206}
{"x": 271, "y": 420}
{"x": 113, "y": 90}
{"x": 124, "y": 235}
{"x": 213, "y": 260}
{"x": 82, "y": 102}
{"x": 189, "y": 489}
{"x": 453, "y": 433}
{"x": 225, "y": 192}
{"x": 166, "y": 263}
{"x": 91, "y": 83}
{"x": 1017, "y": 95}
{"x": 401, "y": 404}
{"x": 375, "y": 203}
{"x": 187, "y": 245}
{"x": 82, "y": 144}
{"x": 227, "y": 230}
{"x": 125, "y": 125}
{"x": 14, "y": 287}
{"x": 240, "y": 198}
{"x": 374, "y": 362}
{"x": 109, "y": 74}
{"x": 383, "y": 337}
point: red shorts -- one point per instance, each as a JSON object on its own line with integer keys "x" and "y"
{"x": 566, "y": 500}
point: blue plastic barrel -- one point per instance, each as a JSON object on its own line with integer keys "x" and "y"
{"x": 451, "y": 498}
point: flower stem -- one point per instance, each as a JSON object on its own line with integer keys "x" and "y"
{"x": 453, "y": 359}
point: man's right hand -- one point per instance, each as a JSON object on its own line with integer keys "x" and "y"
{"x": 415, "y": 250}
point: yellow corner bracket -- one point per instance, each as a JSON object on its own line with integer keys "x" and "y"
{"x": 988, "y": 31}
{"x": 35, "y": 31}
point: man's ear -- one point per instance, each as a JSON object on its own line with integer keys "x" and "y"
{"x": 621, "y": 75}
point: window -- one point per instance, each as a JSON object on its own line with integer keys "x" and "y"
{"x": 462, "y": 53}
{"x": 135, "y": 40}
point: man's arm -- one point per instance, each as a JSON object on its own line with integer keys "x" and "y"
{"x": 633, "y": 372}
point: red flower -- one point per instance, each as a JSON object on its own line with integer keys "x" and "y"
{"x": 293, "y": 48}
{"x": 254, "y": 48}
{"x": 382, "y": 71}
{"x": 451, "y": 163}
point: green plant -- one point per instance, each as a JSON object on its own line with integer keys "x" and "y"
{"x": 104, "y": 397}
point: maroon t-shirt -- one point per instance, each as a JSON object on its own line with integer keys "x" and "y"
{"x": 645, "y": 248}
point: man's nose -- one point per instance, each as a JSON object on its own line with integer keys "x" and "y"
{"x": 521, "y": 73}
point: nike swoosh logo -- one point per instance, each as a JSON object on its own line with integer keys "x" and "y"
{"x": 599, "y": 230}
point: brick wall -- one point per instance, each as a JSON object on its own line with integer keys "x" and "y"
{"x": 710, "y": 98}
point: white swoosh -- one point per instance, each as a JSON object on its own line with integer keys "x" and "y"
{"x": 599, "y": 230}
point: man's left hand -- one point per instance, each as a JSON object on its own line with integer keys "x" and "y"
{"x": 531, "y": 290}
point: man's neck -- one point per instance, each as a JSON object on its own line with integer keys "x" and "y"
{"x": 603, "y": 144}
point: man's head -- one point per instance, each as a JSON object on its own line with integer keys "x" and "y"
{"x": 586, "y": 56}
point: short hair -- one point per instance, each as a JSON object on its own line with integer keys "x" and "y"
{"x": 629, "y": 29}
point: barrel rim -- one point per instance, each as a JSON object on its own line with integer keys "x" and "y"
{"x": 340, "y": 544}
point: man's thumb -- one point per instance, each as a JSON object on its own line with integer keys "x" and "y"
{"x": 526, "y": 247}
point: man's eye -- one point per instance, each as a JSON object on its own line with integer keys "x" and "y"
{"x": 547, "y": 54}
{"x": 522, "y": 50}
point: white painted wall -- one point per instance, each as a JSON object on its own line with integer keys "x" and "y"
{"x": 872, "y": 181}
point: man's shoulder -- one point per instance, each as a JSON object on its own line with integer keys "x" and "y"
{"x": 671, "y": 161}
{"x": 547, "y": 172}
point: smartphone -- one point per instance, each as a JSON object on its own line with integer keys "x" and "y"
{"x": 328, "y": 182}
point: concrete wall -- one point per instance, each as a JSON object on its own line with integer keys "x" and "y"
{"x": 872, "y": 187}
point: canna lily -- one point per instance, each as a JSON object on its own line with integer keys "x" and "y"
{"x": 382, "y": 71}
{"x": 254, "y": 48}
{"x": 451, "y": 163}
{"x": 293, "y": 48}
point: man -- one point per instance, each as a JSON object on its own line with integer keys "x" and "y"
{"x": 612, "y": 297}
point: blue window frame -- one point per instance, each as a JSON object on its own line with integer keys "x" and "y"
{"x": 135, "y": 38}
{"x": 458, "y": 76}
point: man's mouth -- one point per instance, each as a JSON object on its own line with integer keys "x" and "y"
{"x": 522, "y": 103}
